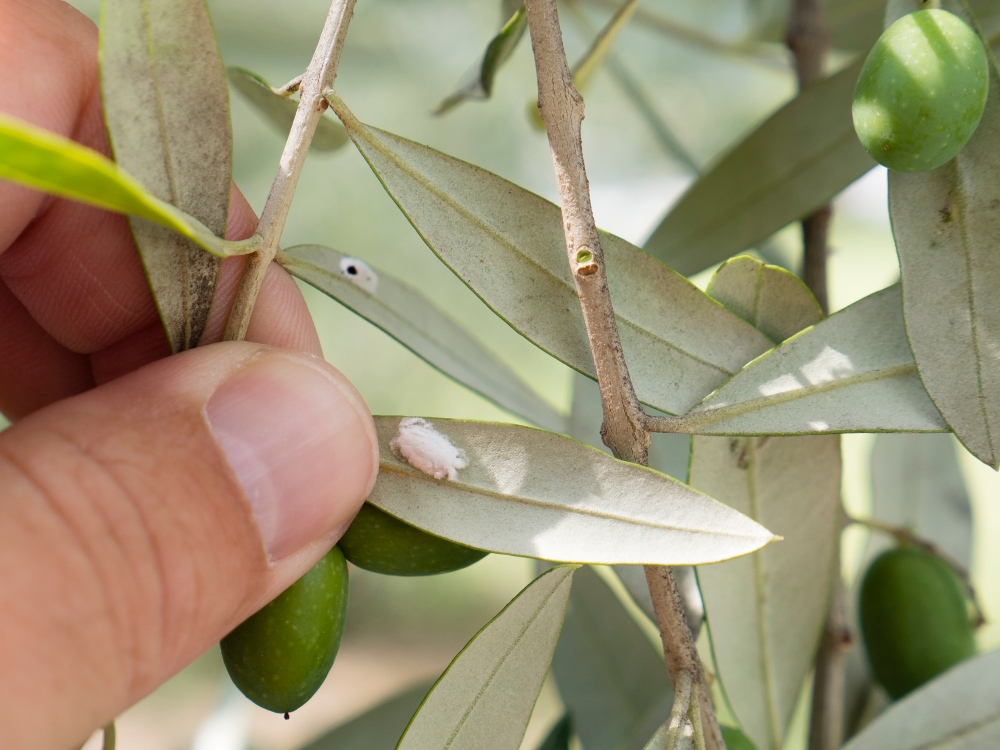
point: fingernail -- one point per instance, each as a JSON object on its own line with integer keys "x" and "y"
{"x": 301, "y": 443}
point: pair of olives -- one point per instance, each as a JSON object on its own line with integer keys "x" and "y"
{"x": 280, "y": 656}
{"x": 922, "y": 91}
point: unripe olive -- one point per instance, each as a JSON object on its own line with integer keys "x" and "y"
{"x": 921, "y": 92}
{"x": 914, "y": 619}
{"x": 735, "y": 739}
{"x": 382, "y": 543}
{"x": 280, "y": 656}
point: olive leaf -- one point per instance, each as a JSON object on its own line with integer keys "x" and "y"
{"x": 423, "y": 328}
{"x": 378, "y": 728}
{"x": 946, "y": 228}
{"x": 507, "y": 244}
{"x": 560, "y": 735}
{"x": 767, "y": 610}
{"x": 602, "y": 44}
{"x": 484, "y": 699}
{"x": 853, "y": 372}
{"x": 610, "y": 676}
{"x": 532, "y": 493}
{"x": 166, "y": 105}
{"x": 498, "y": 51}
{"x": 48, "y": 162}
{"x": 280, "y": 111}
{"x": 791, "y": 165}
{"x": 956, "y": 711}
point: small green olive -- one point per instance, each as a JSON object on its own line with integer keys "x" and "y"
{"x": 280, "y": 656}
{"x": 914, "y": 619}
{"x": 382, "y": 543}
{"x": 735, "y": 739}
{"x": 922, "y": 91}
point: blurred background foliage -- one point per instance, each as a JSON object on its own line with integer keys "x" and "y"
{"x": 708, "y": 77}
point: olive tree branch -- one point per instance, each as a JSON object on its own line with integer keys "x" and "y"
{"x": 319, "y": 77}
{"x": 624, "y": 430}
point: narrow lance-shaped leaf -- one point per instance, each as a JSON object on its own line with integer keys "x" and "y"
{"x": 378, "y": 728}
{"x": 166, "y": 105}
{"x": 419, "y": 325}
{"x": 48, "y": 162}
{"x": 280, "y": 110}
{"x": 947, "y": 229}
{"x": 957, "y": 711}
{"x": 795, "y": 162}
{"x": 610, "y": 676}
{"x": 853, "y": 372}
{"x": 560, "y": 736}
{"x": 507, "y": 244}
{"x": 498, "y": 51}
{"x": 767, "y": 610}
{"x": 531, "y": 493}
{"x": 484, "y": 699}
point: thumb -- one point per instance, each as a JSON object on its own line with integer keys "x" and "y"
{"x": 141, "y": 521}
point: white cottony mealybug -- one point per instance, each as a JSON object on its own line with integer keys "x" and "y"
{"x": 426, "y": 449}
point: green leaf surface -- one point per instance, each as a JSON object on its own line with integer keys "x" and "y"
{"x": 767, "y": 610}
{"x": 166, "y": 105}
{"x": 422, "y": 327}
{"x": 498, "y": 51}
{"x": 853, "y": 372}
{"x": 378, "y": 728}
{"x": 560, "y": 736}
{"x": 610, "y": 676}
{"x": 280, "y": 110}
{"x": 603, "y": 43}
{"x": 791, "y": 165}
{"x": 48, "y": 162}
{"x": 957, "y": 711}
{"x": 507, "y": 244}
{"x": 947, "y": 227}
{"x": 917, "y": 484}
{"x": 484, "y": 699}
{"x": 532, "y": 493}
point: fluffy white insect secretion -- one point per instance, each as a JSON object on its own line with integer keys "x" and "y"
{"x": 359, "y": 273}
{"x": 426, "y": 449}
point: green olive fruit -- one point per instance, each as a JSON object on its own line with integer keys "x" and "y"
{"x": 735, "y": 739}
{"x": 914, "y": 619}
{"x": 280, "y": 656}
{"x": 921, "y": 92}
{"x": 382, "y": 543}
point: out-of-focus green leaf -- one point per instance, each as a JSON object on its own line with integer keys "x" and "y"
{"x": 855, "y": 24}
{"x": 378, "y": 728}
{"x": 771, "y": 299}
{"x": 917, "y": 484}
{"x": 53, "y": 164}
{"x": 507, "y": 244}
{"x": 956, "y": 711}
{"x": 280, "y": 111}
{"x": 603, "y": 43}
{"x": 532, "y": 493}
{"x": 484, "y": 699}
{"x": 560, "y": 736}
{"x": 767, "y": 610}
{"x": 498, "y": 51}
{"x": 947, "y": 229}
{"x": 420, "y": 326}
{"x": 853, "y": 372}
{"x": 792, "y": 164}
{"x": 166, "y": 105}
{"x": 610, "y": 677}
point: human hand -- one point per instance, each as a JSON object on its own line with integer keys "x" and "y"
{"x": 147, "y": 504}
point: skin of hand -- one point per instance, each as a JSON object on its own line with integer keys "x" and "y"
{"x": 148, "y": 504}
